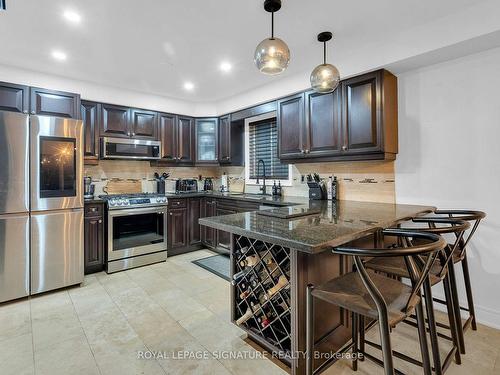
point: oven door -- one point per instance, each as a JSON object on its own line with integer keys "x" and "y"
{"x": 139, "y": 149}
{"x": 136, "y": 231}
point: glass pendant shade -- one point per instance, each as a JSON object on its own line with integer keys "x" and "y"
{"x": 325, "y": 78}
{"x": 272, "y": 56}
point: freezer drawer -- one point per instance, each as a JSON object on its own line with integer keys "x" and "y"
{"x": 56, "y": 249}
{"x": 14, "y": 256}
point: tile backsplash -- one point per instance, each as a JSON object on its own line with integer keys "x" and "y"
{"x": 365, "y": 181}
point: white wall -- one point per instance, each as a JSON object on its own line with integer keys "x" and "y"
{"x": 449, "y": 142}
{"x": 106, "y": 94}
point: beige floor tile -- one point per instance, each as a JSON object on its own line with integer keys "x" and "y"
{"x": 16, "y": 356}
{"x": 177, "y": 303}
{"x": 15, "y": 319}
{"x": 68, "y": 357}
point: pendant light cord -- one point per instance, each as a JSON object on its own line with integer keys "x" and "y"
{"x": 324, "y": 53}
{"x": 272, "y": 25}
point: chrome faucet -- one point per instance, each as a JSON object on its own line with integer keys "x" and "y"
{"x": 263, "y": 187}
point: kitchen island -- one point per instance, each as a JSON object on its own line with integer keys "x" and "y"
{"x": 277, "y": 252}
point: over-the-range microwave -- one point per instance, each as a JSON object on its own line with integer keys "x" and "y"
{"x": 136, "y": 149}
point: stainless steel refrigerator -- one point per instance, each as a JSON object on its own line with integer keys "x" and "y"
{"x": 41, "y": 204}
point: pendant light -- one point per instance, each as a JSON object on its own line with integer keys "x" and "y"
{"x": 272, "y": 54}
{"x": 325, "y": 77}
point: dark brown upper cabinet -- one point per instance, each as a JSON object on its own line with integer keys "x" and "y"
{"x": 54, "y": 103}
{"x": 90, "y": 119}
{"x": 358, "y": 121}
{"x": 323, "y": 124}
{"x": 225, "y": 139}
{"x": 115, "y": 121}
{"x": 14, "y": 97}
{"x": 143, "y": 124}
{"x": 177, "y": 135}
{"x": 185, "y": 140}
{"x": 362, "y": 96}
{"x": 291, "y": 121}
{"x": 168, "y": 136}
{"x": 206, "y": 134}
{"x": 370, "y": 114}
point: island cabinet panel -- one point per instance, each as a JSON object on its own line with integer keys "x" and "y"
{"x": 54, "y": 103}
{"x": 225, "y": 139}
{"x": 362, "y": 115}
{"x": 94, "y": 245}
{"x": 194, "y": 208}
{"x": 143, "y": 124}
{"x": 114, "y": 121}
{"x": 90, "y": 119}
{"x": 14, "y": 97}
{"x": 291, "y": 127}
{"x": 323, "y": 124}
{"x": 208, "y": 209}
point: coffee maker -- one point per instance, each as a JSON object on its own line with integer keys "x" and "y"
{"x": 208, "y": 185}
{"x": 88, "y": 188}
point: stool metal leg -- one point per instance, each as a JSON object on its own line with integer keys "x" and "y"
{"x": 362, "y": 337}
{"x": 456, "y": 307}
{"x": 468, "y": 290}
{"x": 451, "y": 317}
{"x": 432, "y": 328}
{"x": 309, "y": 330}
{"x": 422, "y": 337}
{"x": 355, "y": 335}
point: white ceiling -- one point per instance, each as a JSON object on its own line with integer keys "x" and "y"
{"x": 154, "y": 46}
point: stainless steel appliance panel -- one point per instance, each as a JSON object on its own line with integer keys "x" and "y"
{"x": 132, "y": 149}
{"x": 14, "y": 165}
{"x": 14, "y": 256}
{"x": 136, "y": 231}
{"x": 56, "y": 249}
{"x": 56, "y": 163}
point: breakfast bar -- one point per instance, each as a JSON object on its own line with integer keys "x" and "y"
{"x": 277, "y": 252}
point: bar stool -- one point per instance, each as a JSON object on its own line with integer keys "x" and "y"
{"x": 474, "y": 217}
{"x": 392, "y": 266}
{"x": 368, "y": 294}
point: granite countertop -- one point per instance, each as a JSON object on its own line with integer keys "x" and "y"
{"x": 330, "y": 223}
{"x": 256, "y": 198}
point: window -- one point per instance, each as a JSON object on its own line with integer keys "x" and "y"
{"x": 261, "y": 141}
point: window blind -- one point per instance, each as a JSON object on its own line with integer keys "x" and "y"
{"x": 263, "y": 144}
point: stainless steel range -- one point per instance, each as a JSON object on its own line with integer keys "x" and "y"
{"x": 137, "y": 230}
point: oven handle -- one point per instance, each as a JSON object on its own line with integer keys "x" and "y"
{"x": 135, "y": 211}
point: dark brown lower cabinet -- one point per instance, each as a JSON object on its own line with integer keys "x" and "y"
{"x": 94, "y": 239}
{"x": 208, "y": 209}
{"x": 177, "y": 236}
{"x": 224, "y": 238}
{"x": 194, "y": 208}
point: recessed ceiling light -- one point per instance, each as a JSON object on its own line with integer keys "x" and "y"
{"x": 225, "y": 66}
{"x": 72, "y": 16}
{"x": 189, "y": 86}
{"x": 59, "y": 55}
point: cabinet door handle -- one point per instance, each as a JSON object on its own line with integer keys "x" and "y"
{"x": 100, "y": 221}
{"x": 302, "y": 151}
{"x": 170, "y": 213}
{"x": 344, "y": 148}
{"x": 33, "y": 112}
{"x": 133, "y": 134}
{"x": 93, "y": 209}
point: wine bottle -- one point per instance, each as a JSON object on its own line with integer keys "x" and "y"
{"x": 249, "y": 261}
{"x": 247, "y": 315}
{"x": 282, "y": 282}
{"x": 242, "y": 251}
{"x": 239, "y": 275}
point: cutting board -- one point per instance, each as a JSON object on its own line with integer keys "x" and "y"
{"x": 119, "y": 186}
{"x": 237, "y": 185}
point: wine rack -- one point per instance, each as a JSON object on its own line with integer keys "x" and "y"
{"x": 261, "y": 290}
